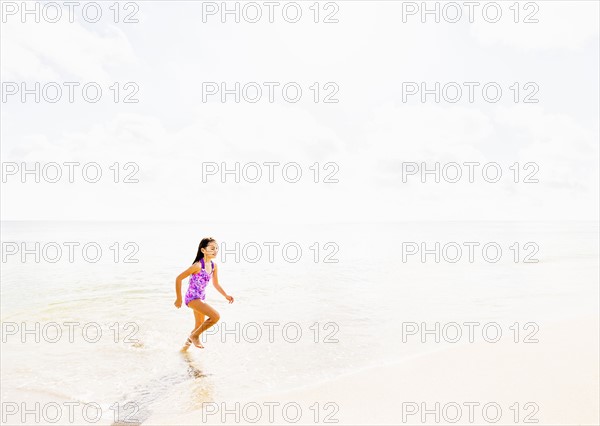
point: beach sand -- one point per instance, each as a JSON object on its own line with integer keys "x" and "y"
{"x": 557, "y": 378}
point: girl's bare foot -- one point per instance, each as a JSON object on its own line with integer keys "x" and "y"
{"x": 196, "y": 341}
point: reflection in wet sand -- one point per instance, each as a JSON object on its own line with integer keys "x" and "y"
{"x": 134, "y": 406}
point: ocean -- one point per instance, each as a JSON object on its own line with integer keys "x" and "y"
{"x": 312, "y": 302}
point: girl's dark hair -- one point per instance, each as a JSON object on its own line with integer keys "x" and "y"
{"x": 203, "y": 244}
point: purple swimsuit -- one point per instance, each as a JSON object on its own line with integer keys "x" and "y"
{"x": 198, "y": 283}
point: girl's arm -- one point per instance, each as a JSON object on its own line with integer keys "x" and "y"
{"x": 218, "y": 287}
{"x": 192, "y": 269}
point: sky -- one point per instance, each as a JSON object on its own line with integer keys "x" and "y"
{"x": 165, "y": 144}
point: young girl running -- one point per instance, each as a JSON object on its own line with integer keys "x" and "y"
{"x": 194, "y": 298}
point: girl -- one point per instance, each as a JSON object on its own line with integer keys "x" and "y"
{"x": 194, "y": 298}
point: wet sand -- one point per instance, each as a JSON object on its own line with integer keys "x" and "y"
{"x": 554, "y": 381}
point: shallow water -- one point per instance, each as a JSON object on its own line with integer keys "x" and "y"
{"x": 349, "y": 313}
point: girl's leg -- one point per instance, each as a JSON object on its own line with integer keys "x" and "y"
{"x": 199, "y": 319}
{"x": 204, "y": 309}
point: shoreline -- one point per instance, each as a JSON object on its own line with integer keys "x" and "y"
{"x": 554, "y": 381}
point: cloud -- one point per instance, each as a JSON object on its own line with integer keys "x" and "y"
{"x": 563, "y": 150}
{"x": 566, "y": 151}
{"x": 170, "y": 133}
{"x": 170, "y": 166}
{"x": 561, "y": 25}
{"x": 62, "y": 51}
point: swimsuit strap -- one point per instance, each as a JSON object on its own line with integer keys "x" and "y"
{"x": 212, "y": 264}
{"x": 202, "y": 262}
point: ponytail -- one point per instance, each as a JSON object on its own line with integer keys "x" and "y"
{"x": 203, "y": 244}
